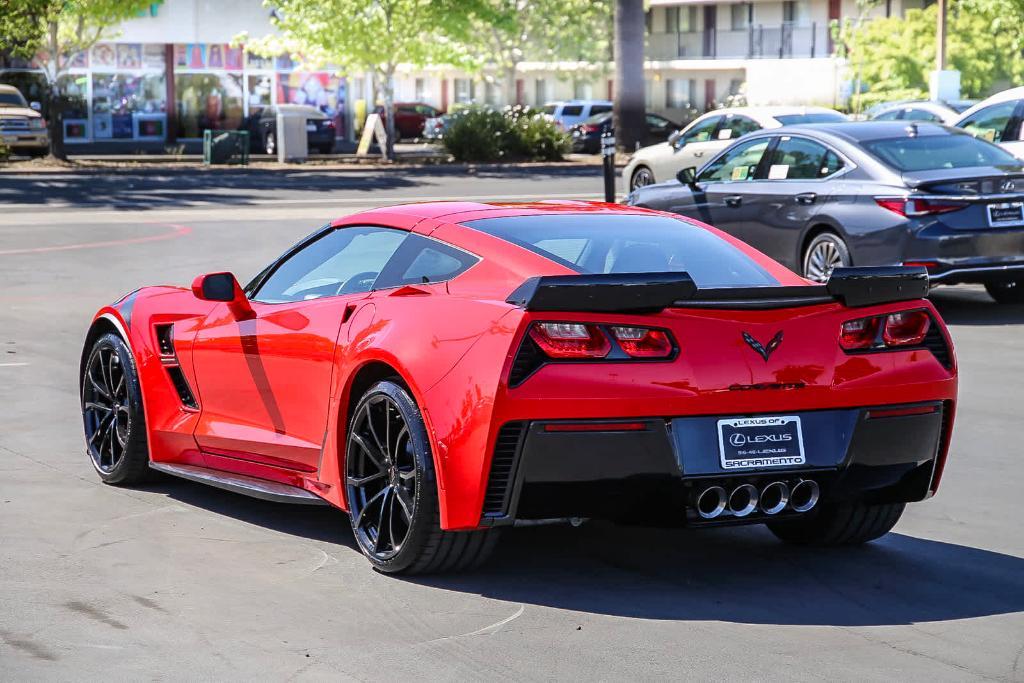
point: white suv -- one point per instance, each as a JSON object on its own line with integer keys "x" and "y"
{"x": 999, "y": 119}
{"x": 570, "y": 112}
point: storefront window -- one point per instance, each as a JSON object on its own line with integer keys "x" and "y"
{"x": 129, "y": 105}
{"x": 208, "y": 101}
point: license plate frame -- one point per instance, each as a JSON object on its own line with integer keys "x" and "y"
{"x": 1013, "y": 210}
{"x": 756, "y": 443}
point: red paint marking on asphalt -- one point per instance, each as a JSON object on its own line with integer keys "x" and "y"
{"x": 177, "y": 231}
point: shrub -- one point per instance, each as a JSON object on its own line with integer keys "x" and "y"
{"x": 5, "y": 152}
{"x": 483, "y": 134}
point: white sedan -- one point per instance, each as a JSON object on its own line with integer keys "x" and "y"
{"x": 709, "y": 134}
{"x": 999, "y": 119}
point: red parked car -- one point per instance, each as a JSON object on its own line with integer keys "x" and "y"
{"x": 410, "y": 117}
{"x": 443, "y": 370}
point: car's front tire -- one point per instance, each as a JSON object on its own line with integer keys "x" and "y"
{"x": 391, "y": 489}
{"x": 1007, "y": 292}
{"x": 826, "y": 252}
{"x": 840, "y": 524}
{"x": 115, "y": 425}
{"x": 642, "y": 175}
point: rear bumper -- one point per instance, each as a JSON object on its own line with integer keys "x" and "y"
{"x": 651, "y": 470}
{"x": 968, "y": 256}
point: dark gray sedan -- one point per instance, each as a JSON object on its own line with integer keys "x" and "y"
{"x": 868, "y": 193}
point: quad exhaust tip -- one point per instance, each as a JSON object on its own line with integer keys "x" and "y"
{"x": 745, "y": 499}
{"x": 711, "y": 502}
{"x": 774, "y": 498}
{"x": 804, "y": 495}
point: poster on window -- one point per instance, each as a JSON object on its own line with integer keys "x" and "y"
{"x": 129, "y": 56}
{"x": 153, "y": 56}
{"x": 103, "y": 54}
{"x": 320, "y": 89}
{"x": 101, "y": 125}
{"x": 79, "y": 60}
{"x": 190, "y": 56}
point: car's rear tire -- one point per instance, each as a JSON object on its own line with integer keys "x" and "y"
{"x": 642, "y": 175}
{"x": 1007, "y": 292}
{"x": 823, "y": 254}
{"x": 391, "y": 489}
{"x": 845, "y": 524}
{"x": 115, "y": 425}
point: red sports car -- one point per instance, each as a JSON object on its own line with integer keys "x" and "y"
{"x": 443, "y": 370}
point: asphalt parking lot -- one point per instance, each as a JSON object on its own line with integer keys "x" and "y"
{"x": 178, "y": 581}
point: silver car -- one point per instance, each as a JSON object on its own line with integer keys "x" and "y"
{"x": 868, "y": 193}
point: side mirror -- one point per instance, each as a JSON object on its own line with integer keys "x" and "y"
{"x": 674, "y": 136}
{"x": 222, "y": 287}
{"x": 35, "y": 105}
{"x": 688, "y": 177}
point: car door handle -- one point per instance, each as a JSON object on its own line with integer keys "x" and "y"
{"x": 806, "y": 198}
{"x": 733, "y": 200}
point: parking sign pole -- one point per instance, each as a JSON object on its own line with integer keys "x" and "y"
{"x": 608, "y": 162}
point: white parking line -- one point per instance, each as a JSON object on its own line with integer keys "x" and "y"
{"x": 12, "y": 365}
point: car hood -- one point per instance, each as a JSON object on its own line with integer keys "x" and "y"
{"x": 7, "y": 112}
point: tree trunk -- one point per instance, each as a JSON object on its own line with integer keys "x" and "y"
{"x": 54, "y": 100}
{"x": 510, "y": 86}
{"x": 629, "y": 74}
{"x": 387, "y": 88}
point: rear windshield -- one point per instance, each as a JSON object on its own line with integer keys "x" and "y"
{"x": 630, "y": 244}
{"x": 815, "y": 117}
{"x": 934, "y": 152}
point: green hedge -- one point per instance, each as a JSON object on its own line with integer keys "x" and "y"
{"x": 515, "y": 133}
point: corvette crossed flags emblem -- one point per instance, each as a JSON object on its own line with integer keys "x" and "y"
{"x": 763, "y": 350}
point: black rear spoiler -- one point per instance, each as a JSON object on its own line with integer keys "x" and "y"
{"x": 647, "y": 292}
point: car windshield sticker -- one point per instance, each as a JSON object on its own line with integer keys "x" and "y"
{"x": 725, "y": 134}
{"x": 740, "y": 172}
{"x": 778, "y": 172}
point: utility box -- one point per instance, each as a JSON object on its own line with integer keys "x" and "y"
{"x": 292, "y": 143}
{"x": 225, "y": 147}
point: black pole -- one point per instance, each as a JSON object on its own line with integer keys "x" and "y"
{"x": 608, "y": 163}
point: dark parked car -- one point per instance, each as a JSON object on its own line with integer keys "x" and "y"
{"x": 586, "y": 136}
{"x": 865, "y": 194}
{"x": 262, "y": 127}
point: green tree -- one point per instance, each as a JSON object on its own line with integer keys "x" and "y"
{"x": 509, "y": 32}
{"x": 371, "y": 35}
{"x": 899, "y": 52}
{"x": 848, "y": 38}
{"x": 57, "y": 30}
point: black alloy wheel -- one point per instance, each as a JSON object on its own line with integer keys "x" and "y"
{"x": 382, "y": 477}
{"x": 391, "y": 490}
{"x": 115, "y": 432}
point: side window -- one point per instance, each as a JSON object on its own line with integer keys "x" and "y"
{"x": 920, "y": 115}
{"x": 990, "y": 123}
{"x": 572, "y": 110}
{"x": 343, "y": 261}
{"x": 832, "y": 164}
{"x": 701, "y": 131}
{"x": 734, "y": 126}
{"x": 599, "y": 109}
{"x": 739, "y": 163}
{"x": 421, "y": 260}
{"x": 891, "y": 115}
{"x": 797, "y": 159}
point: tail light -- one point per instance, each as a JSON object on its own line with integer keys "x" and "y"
{"x": 591, "y": 128}
{"x": 880, "y": 332}
{"x": 570, "y": 340}
{"x": 859, "y": 334}
{"x": 328, "y": 123}
{"x": 905, "y": 329}
{"x": 643, "y": 342}
{"x": 914, "y": 207}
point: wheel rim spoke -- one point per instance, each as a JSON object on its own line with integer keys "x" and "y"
{"x": 381, "y": 477}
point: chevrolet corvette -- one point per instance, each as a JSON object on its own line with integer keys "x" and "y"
{"x": 442, "y": 370}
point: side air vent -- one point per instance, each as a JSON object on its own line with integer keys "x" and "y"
{"x": 936, "y": 343}
{"x": 528, "y": 359}
{"x": 181, "y": 386}
{"x": 502, "y": 477}
{"x": 165, "y": 339}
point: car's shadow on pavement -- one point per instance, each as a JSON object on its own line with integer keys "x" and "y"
{"x": 741, "y": 575}
{"x": 971, "y": 305}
